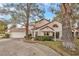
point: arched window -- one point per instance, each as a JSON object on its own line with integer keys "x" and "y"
{"x": 55, "y": 25}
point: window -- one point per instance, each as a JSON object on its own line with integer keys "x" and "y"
{"x": 46, "y": 33}
{"x": 55, "y": 25}
{"x": 76, "y": 33}
{"x": 53, "y": 34}
{"x": 36, "y": 34}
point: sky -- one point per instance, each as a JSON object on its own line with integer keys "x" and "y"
{"x": 48, "y": 14}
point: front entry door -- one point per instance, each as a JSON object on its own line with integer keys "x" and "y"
{"x": 57, "y": 35}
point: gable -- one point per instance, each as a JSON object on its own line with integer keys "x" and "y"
{"x": 50, "y": 24}
{"x": 47, "y": 28}
{"x": 55, "y": 22}
{"x": 41, "y": 23}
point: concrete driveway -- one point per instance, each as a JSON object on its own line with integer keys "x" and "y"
{"x": 12, "y": 47}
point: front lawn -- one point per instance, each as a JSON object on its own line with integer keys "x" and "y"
{"x": 57, "y": 46}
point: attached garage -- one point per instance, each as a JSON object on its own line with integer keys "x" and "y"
{"x": 17, "y": 33}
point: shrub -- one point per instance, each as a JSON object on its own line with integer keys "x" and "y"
{"x": 77, "y": 37}
{"x": 43, "y": 38}
{"x": 2, "y": 35}
{"x": 24, "y": 36}
{"x": 7, "y": 35}
{"x": 30, "y": 36}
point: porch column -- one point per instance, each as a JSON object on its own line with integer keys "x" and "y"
{"x": 50, "y": 33}
{"x": 74, "y": 34}
{"x": 34, "y": 34}
{"x": 54, "y": 36}
{"x": 60, "y": 34}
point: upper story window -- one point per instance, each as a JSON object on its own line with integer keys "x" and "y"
{"x": 55, "y": 25}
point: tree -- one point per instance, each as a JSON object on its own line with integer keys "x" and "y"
{"x": 31, "y": 11}
{"x": 78, "y": 24}
{"x": 27, "y": 21}
{"x": 26, "y": 12}
{"x": 65, "y": 16}
{"x": 6, "y": 9}
{"x": 67, "y": 38}
{"x": 3, "y": 27}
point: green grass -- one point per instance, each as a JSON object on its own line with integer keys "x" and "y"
{"x": 57, "y": 46}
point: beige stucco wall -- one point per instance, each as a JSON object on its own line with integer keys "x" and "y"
{"x": 58, "y": 29}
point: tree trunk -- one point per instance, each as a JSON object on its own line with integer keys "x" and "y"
{"x": 68, "y": 41}
{"x": 67, "y": 33}
{"x": 78, "y": 29}
{"x": 27, "y": 21}
{"x": 78, "y": 24}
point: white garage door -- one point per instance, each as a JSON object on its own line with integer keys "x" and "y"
{"x": 17, "y": 34}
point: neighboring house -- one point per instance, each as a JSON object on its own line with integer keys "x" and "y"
{"x": 75, "y": 29}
